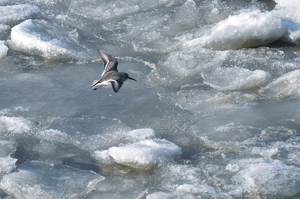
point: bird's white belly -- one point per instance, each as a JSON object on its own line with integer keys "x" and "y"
{"x": 105, "y": 83}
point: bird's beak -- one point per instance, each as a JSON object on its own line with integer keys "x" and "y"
{"x": 131, "y": 78}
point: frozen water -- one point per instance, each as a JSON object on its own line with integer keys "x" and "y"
{"x": 265, "y": 177}
{"x": 214, "y": 112}
{"x": 38, "y": 180}
{"x": 235, "y": 78}
{"x": 3, "y": 49}
{"x": 7, "y": 147}
{"x": 108, "y": 11}
{"x": 15, "y": 124}
{"x": 284, "y": 86}
{"x": 15, "y": 13}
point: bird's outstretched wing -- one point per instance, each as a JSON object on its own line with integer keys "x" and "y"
{"x": 110, "y": 63}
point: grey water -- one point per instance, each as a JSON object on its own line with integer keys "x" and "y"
{"x": 214, "y": 112}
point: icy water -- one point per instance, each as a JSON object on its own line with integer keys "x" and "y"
{"x": 214, "y": 112}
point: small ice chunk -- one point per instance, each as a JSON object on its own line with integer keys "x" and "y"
{"x": 7, "y": 147}
{"x": 40, "y": 180}
{"x": 240, "y": 31}
{"x": 235, "y": 78}
{"x": 284, "y": 86}
{"x": 7, "y": 164}
{"x": 232, "y": 167}
{"x": 15, "y": 124}
{"x": 141, "y": 134}
{"x": 145, "y": 153}
{"x": 3, "y": 49}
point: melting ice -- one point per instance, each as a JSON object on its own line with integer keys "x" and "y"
{"x": 214, "y": 113}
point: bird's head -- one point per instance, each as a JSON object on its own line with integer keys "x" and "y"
{"x": 127, "y": 77}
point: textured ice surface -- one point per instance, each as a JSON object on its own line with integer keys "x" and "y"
{"x": 14, "y": 125}
{"x": 235, "y": 78}
{"x": 108, "y": 10}
{"x": 284, "y": 86}
{"x": 200, "y": 122}
{"x": 14, "y": 13}
{"x": 145, "y": 153}
{"x": 266, "y": 177}
{"x": 7, "y": 147}
{"x": 3, "y": 49}
{"x": 39, "y": 180}
{"x": 141, "y": 152}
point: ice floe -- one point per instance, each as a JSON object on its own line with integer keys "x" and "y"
{"x": 244, "y": 30}
{"x": 284, "y": 86}
{"x": 235, "y": 78}
{"x": 141, "y": 154}
{"x": 37, "y": 37}
{"x": 145, "y": 153}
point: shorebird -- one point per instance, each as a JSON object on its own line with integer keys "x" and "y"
{"x": 110, "y": 74}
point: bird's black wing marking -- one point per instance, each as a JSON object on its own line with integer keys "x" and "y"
{"x": 110, "y": 63}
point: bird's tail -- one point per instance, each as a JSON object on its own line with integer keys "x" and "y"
{"x": 95, "y": 82}
{"x": 96, "y": 85}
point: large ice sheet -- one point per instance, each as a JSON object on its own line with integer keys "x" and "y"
{"x": 39, "y": 37}
{"x": 243, "y": 30}
{"x": 40, "y": 180}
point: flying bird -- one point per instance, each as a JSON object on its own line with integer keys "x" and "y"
{"x": 110, "y": 74}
